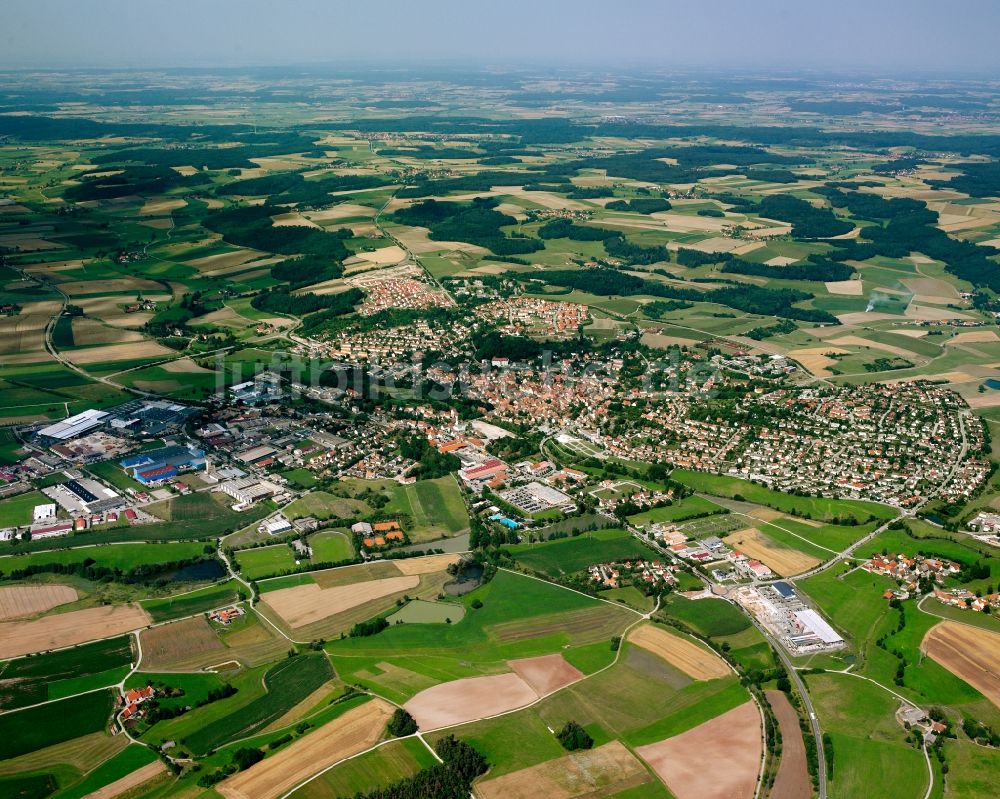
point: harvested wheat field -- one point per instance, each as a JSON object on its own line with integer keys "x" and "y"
{"x": 161, "y": 206}
{"x": 213, "y": 263}
{"x": 693, "y": 660}
{"x": 89, "y": 332}
{"x": 716, "y": 760}
{"x": 383, "y": 255}
{"x": 546, "y": 673}
{"x": 850, "y": 288}
{"x": 859, "y": 341}
{"x": 292, "y": 219}
{"x": 782, "y": 560}
{"x": 355, "y": 731}
{"x": 815, "y": 359}
{"x": 133, "y": 351}
{"x": 973, "y": 337}
{"x": 470, "y": 699}
{"x": 68, "y": 629}
{"x": 604, "y": 771}
{"x": 969, "y": 653}
{"x": 342, "y": 211}
{"x": 792, "y": 780}
{"x": 19, "y": 601}
{"x": 24, "y": 333}
{"x": 305, "y": 604}
{"x": 169, "y": 645}
{"x": 129, "y": 782}
{"x": 115, "y": 285}
{"x": 426, "y": 565}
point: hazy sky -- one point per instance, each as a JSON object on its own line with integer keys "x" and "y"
{"x": 888, "y": 35}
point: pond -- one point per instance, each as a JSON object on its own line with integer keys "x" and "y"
{"x": 469, "y": 580}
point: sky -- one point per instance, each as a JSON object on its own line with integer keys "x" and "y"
{"x": 890, "y": 36}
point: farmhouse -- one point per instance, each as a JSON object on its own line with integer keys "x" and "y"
{"x": 226, "y": 616}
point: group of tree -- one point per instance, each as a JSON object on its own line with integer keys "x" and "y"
{"x": 452, "y": 778}
{"x": 749, "y": 298}
{"x": 477, "y": 222}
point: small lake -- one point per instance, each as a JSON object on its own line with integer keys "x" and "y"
{"x": 208, "y": 569}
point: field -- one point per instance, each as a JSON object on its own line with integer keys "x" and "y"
{"x": 571, "y": 555}
{"x": 306, "y": 604}
{"x": 967, "y": 653}
{"x": 24, "y": 731}
{"x": 695, "y": 661}
{"x": 792, "y": 780}
{"x": 119, "y": 556}
{"x": 687, "y": 508}
{"x": 19, "y": 601}
{"x": 68, "y": 629}
{"x": 28, "y": 681}
{"x": 520, "y": 618}
{"x": 379, "y": 768}
{"x": 709, "y": 617}
{"x": 871, "y": 756}
{"x": 601, "y": 772}
{"x": 688, "y": 763}
{"x": 420, "y": 611}
{"x": 17, "y": 510}
{"x": 133, "y": 766}
{"x": 353, "y": 732}
{"x": 476, "y": 698}
{"x": 265, "y": 561}
{"x": 331, "y": 546}
{"x": 191, "y": 602}
{"x": 782, "y": 560}
{"x": 286, "y": 684}
{"x": 167, "y": 644}
{"x": 807, "y": 507}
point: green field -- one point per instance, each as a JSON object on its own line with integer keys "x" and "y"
{"x": 17, "y": 511}
{"x": 111, "y": 472}
{"x": 520, "y": 617}
{"x": 435, "y": 507}
{"x": 819, "y": 508}
{"x": 420, "y": 611}
{"x": 571, "y": 555}
{"x": 687, "y": 508}
{"x": 24, "y": 731}
{"x": 871, "y": 757}
{"x": 130, "y": 759}
{"x": 204, "y": 599}
{"x": 708, "y": 617}
{"x": 119, "y": 556}
{"x": 30, "y": 680}
{"x": 265, "y": 561}
{"x": 287, "y": 684}
{"x": 331, "y": 546}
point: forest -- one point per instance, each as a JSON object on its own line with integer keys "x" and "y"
{"x": 477, "y": 223}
